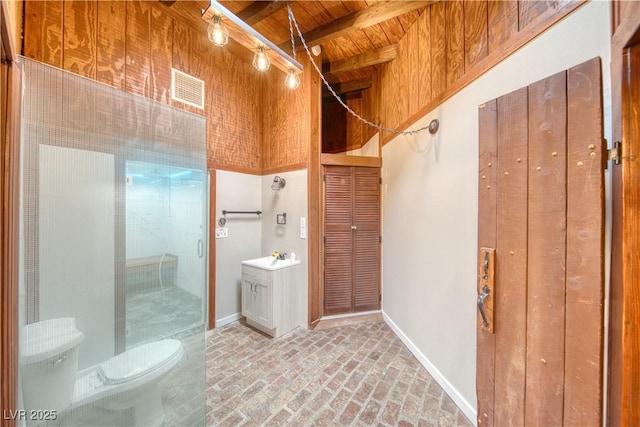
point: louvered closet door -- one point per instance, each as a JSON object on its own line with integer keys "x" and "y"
{"x": 366, "y": 236}
{"x": 338, "y": 252}
{"x": 352, "y": 239}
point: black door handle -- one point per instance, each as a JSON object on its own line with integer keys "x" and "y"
{"x": 485, "y": 293}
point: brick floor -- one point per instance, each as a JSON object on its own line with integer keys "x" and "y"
{"x": 357, "y": 375}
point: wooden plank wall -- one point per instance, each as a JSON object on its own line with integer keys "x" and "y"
{"x": 370, "y": 110}
{"x": 334, "y": 127}
{"x": 355, "y": 136}
{"x": 11, "y": 28}
{"x": 451, "y": 44}
{"x": 287, "y": 119}
{"x": 341, "y": 131}
{"x": 133, "y": 45}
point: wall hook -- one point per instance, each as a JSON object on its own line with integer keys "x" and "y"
{"x": 434, "y": 125}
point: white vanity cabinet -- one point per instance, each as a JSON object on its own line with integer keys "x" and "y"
{"x": 257, "y": 299}
{"x": 270, "y": 295}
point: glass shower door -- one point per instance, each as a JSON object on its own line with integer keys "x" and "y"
{"x": 165, "y": 251}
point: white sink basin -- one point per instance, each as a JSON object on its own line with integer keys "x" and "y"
{"x": 270, "y": 263}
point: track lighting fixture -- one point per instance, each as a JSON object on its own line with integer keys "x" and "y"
{"x": 266, "y": 52}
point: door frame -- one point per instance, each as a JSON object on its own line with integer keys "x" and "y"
{"x": 212, "y": 251}
{"x": 327, "y": 159}
{"x": 9, "y": 195}
{"x": 624, "y": 365}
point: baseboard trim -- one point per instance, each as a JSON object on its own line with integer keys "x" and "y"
{"x": 229, "y": 319}
{"x": 342, "y": 316}
{"x": 453, "y": 393}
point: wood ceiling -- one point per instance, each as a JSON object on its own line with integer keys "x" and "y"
{"x": 355, "y": 36}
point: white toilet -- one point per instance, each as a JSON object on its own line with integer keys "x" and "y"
{"x": 49, "y": 362}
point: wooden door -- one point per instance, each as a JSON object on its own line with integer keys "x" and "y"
{"x": 352, "y": 239}
{"x": 541, "y": 206}
{"x": 366, "y": 239}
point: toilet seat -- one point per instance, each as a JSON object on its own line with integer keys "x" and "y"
{"x": 120, "y": 374}
{"x": 138, "y": 361}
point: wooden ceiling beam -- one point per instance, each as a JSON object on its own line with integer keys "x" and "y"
{"x": 347, "y": 87}
{"x": 364, "y": 18}
{"x": 259, "y": 10}
{"x": 372, "y": 57}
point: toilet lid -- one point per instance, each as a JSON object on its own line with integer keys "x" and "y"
{"x": 139, "y": 361}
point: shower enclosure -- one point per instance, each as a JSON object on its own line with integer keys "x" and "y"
{"x": 112, "y": 255}
{"x": 164, "y": 251}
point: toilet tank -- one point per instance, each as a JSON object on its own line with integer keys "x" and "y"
{"x": 48, "y": 362}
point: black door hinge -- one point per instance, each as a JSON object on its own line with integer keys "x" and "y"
{"x": 615, "y": 154}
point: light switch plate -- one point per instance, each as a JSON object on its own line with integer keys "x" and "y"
{"x": 222, "y": 232}
{"x": 303, "y": 228}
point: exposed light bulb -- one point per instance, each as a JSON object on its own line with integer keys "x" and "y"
{"x": 217, "y": 32}
{"x": 292, "y": 81}
{"x": 261, "y": 60}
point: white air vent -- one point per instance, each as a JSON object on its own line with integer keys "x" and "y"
{"x": 187, "y": 89}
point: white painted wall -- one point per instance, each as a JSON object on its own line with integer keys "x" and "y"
{"x": 370, "y": 149}
{"x": 235, "y": 192}
{"x": 430, "y": 204}
{"x": 292, "y": 200}
{"x": 147, "y": 216}
{"x": 253, "y": 237}
{"x": 76, "y": 245}
{"x": 166, "y": 216}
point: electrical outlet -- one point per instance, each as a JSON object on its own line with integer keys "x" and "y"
{"x": 222, "y": 232}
